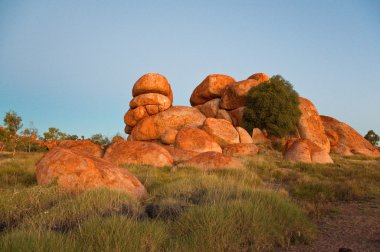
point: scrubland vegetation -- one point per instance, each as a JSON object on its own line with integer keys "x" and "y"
{"x": 269, "y": 204}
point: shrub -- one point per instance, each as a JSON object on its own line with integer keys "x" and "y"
{"x": 272, "y": 106}
{"x": 372, "y": 137}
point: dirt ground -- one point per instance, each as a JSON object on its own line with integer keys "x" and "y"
{"x": 352, "y": 225}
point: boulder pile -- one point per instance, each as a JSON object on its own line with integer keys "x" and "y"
{"x": 209, "y": 135}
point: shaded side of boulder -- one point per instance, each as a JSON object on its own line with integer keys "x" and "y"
{"x": 244, "y": 136}
{"x": 223, "y": 114}
{"x": 75, "y": 172}
{"x": 136, "y": 152}
{"x": 237, "y": 116}
{"x": 152, "y": 127}
{"x": 169, "y": 136}
{"x": 241, "y": 150}
{"x": 212, "y": 161}
{"x": 258, "y": 137}
{"x": 194, "y": 139}
{"x": 210, "y": 108}
{"x": 222, "y": 131}
{"x": 347, "y": 141}
{"x": 310, "y": 125}
{"x": 305, "y": 151}
{"x": 211, "y": 87}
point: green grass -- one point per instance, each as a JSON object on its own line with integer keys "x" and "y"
{"x": 262, "y": 207}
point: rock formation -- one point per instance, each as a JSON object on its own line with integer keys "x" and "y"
{"x": 304, "y": 150}
{"x": 345, "y": 140}
{"x": 74, "y": 171}
{"x": 310, "y": 125}
{"x": 194, "y": 139}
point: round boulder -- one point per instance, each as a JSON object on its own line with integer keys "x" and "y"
{"x": 210, "y": 88}
{"x": 222, "y": 131}
{"x": 152, "y": 83}
{"x": 305, "y": 151}
{"x": 136, "y": 152}
{"x": 162, "y": 101}
{"x": 244, "y": 136}
{"x": 85, "y": 147}
{"x": 74, "y": 172}
{"x": 133, "y": 116}
{"x": 194, "y": 139}
{"x": 261, "y": 77}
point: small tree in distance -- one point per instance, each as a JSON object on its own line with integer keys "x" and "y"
{"x": 13, "y": 123}
{"x": 272, "y": 106}
{"x": 100, "y": 139}
{"x": 372, "y": 137}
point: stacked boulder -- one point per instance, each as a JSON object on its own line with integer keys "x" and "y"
{"x": 221, "y": 96}
{"x": 152, "y": 94}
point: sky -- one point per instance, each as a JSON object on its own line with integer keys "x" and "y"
{"x": 72, "y": 64}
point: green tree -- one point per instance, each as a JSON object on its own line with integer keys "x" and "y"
{"x": 272, "y": 106}
{"x": 372, "y": 137}
{"x": 100, "y": 139}
{"x": 53, "y": 134}
{"x": 13, "y": 123}
{"x": 30, "y": 134}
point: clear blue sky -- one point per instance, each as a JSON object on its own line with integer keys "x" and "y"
{"x": 72, "y": 64}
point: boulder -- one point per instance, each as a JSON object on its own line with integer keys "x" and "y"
{"x": 222, "y": 131}
{"x": 194, "y": 139}
{"x": 74, "y": 172}
{"x": 310, "y": 125}
{"x": 258, "y": 137}
{"x": 133, "y": 116}
{"x": 212, "y": 161}
{"x": 162, "y": 101}
{"x": 223, "y": 114}
{"x": 128, "y": 129}
{"x": 136, "y": 152}
{"x": 237, "y": 116}
{"x": 210, "y": 88}
{"x": 261, "y": 77}
{"x": 152, "y": 83}
{"x": 235, "y": 94}
{"x": 240, "y": 150}
{"x": 180, "y": 155}
{"x": 305, "y": 151}
{"x": 169, "y": 136}
{"x": 347, "y": 141}
{"x": 244, "y": 136}
{"x": 210, "y": 108}
{"x": 152, "y": 127}
{"x": 85, "y": 147}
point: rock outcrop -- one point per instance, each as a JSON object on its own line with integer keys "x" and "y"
{"x": 152, "y": 94}
{"x": 305, "y": 151}
{"x": 136, "y": 152}
{"x": 212, "y": 161}
{"x": 244, "y": 137}
{"x": 153, "y": 127}
{"x": 241, "y": 150}
{"x": 210, "y": 88}
{"x": 194, "y": 139}
{"x": 345, "y": 140}
{"x": 222, "y": 131}
{"x": 74, "y": 172}
{"x": 310, "y": 125}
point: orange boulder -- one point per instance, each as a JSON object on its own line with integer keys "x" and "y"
{"x": 222, "y": 131}
{"x": 304, "y": 150}
{"x": 244, "y": 136}
{"x": 180, "y": 155}
{"x": 258, "y": 136}
{"x": 153, "y": 127}
{"x": 212, "y": 161}
{"x": 241, "y": 150}
{"x": 75, "y": 172}
{"x": 235, "y": 94}
{"x": 162, "y": 101}
{"x": 194, "y": 139}
{"x": 86, "y": 147}
{"x": 136, "y": 152}
{"x": 223, "y": 114}
{"x": 310, "y": 125}
{"x": 133, "y": 116}
{"x": 210, "y": 88}
{"x": 261, "y": 77}
{"x": 169, "y": 136}
{"x": 152, "y": 83}
{"x": 347, "y": 141}
{"x": 210, "y": 108}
